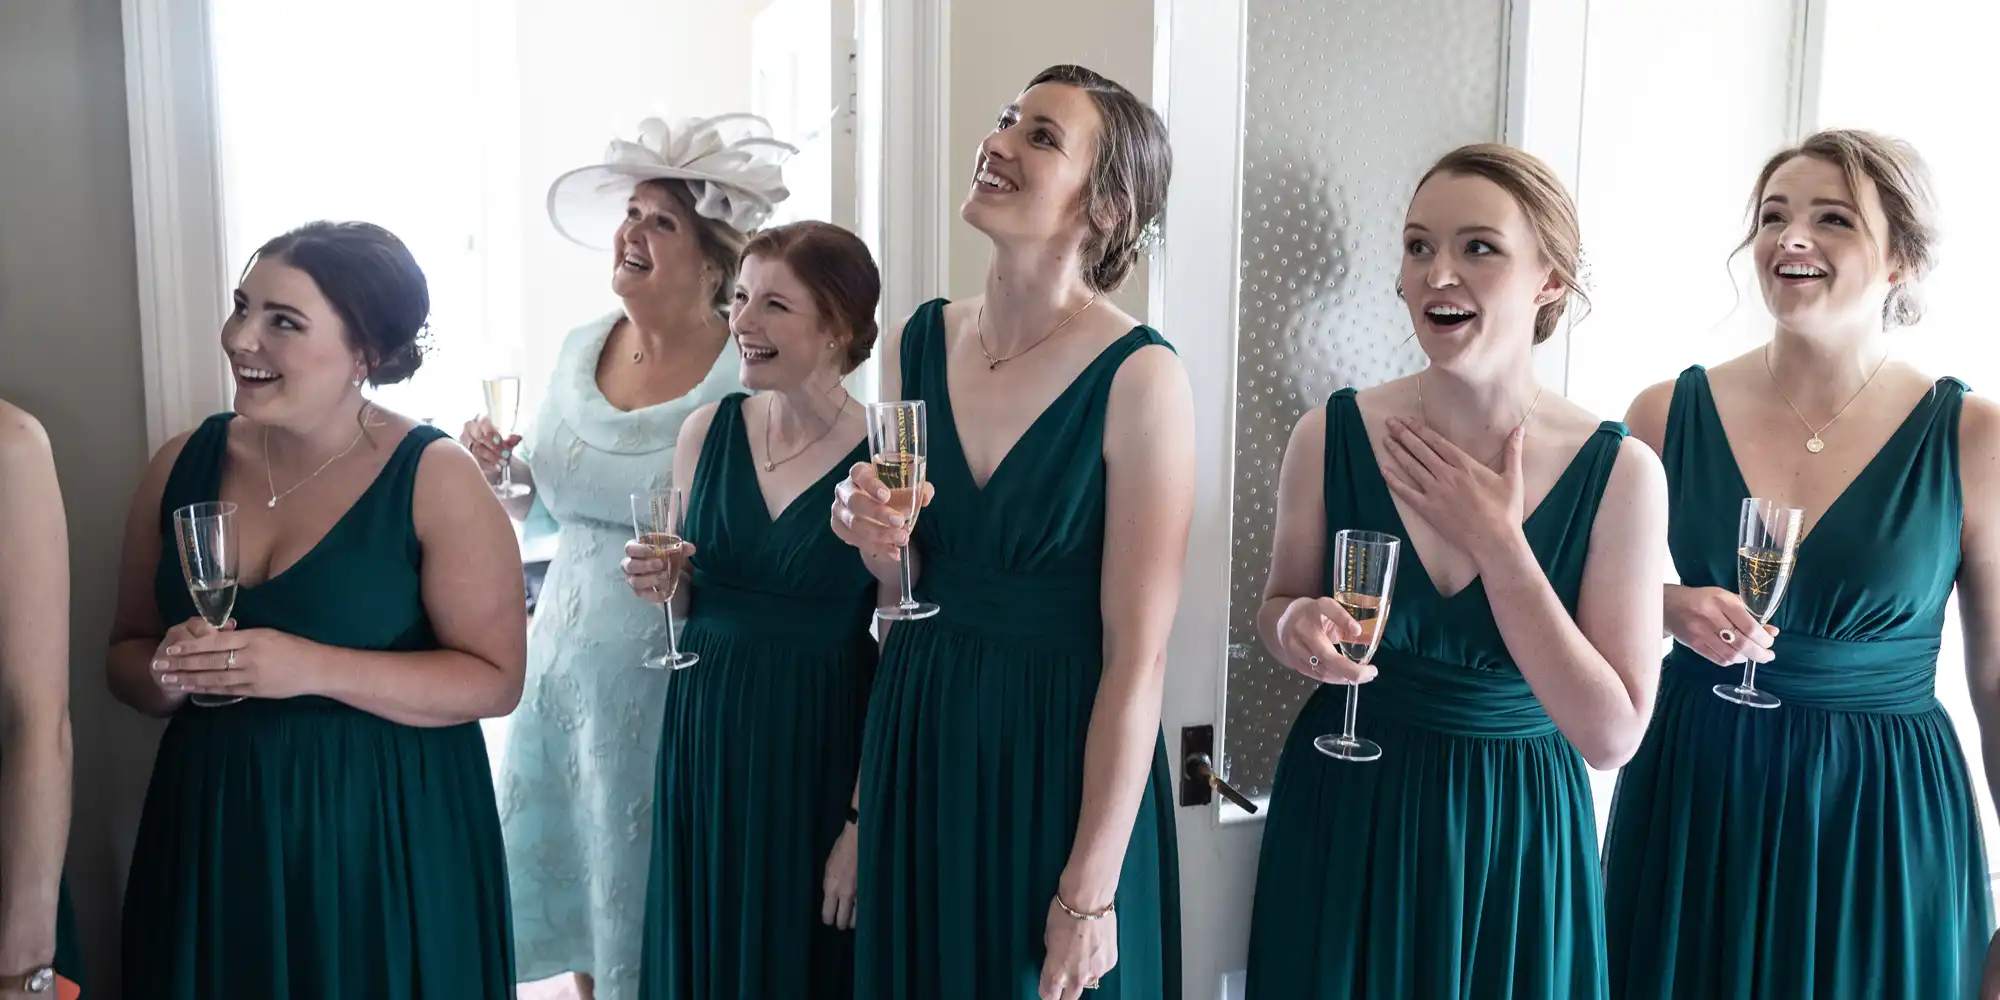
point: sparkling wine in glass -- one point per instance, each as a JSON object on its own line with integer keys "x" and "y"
{"x": 1767, "y": 542}
{"x": 503, "y": 408}
{"x": 206, "y": 536}
{"x": 899, "y": 444}
{"x": 656, "y": 522}
{"x": 1365, "y": 577}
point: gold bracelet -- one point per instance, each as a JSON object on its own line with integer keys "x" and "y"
{"x": 1099, "y": 915}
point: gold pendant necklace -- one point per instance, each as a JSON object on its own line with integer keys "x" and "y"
{"x": 1425, "y": 417}
{"x": 1814, "y": 443}
{"x": 979, "y": 327}
{"x": 769, "y": 463}
{"x": 271, "y": 484}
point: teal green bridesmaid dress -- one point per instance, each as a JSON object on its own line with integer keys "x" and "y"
{"x": 69, "y": 946}
{"x": 760, "y": 741}
{"x": 972, "y": 758}
{"x": 302, "y": 849}
{"x": 1828, "y": 848}
{"x": 1463, "y": 862}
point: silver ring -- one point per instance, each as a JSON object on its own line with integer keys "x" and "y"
{"x": 229, "y": 662}
{"x": 1728, "y": 637}
{"x": 1312, "y": 661}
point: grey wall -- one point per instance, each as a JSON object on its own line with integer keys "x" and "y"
{"x": 69, "y": 352}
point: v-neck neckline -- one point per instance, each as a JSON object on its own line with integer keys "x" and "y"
{"x": 1478, "y": 581}
{"x": 1908, "y": 425}
{"x": 749, "y": 466}
{"x": 381, "y": 476}
{"x": 949, "y": 413}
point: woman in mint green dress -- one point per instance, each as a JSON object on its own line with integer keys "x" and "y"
{"x": 1520, "y": 640}
{"x": 333, "y": 834}
{"x": 1016, "y": 824}
{"x": 751, "y": 894}
{"x": 671, "y": 212}
{"x": 1830, "y": 847}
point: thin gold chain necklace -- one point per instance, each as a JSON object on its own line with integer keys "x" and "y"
{"x": 769, "y": 463}
{"x": 979, "y": 327}
{"x": 1814, "y": 444}
{"x": 272, "y": 485}
{"x": 1503, "y": 445}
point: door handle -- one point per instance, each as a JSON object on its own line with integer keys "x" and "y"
{"x": 1199, "y": 779}
{"x": 1200, "y": 768}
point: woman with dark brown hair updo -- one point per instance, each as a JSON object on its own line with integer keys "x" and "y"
{"x": 320, "y": 821}
{"x": 752, "y": 885}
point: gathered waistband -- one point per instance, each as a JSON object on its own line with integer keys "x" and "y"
{"x": 1450, "y": 698}
{"x": 1890, "y": 676}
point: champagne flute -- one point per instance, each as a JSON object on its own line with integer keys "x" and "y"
{"x": 899, "y": 443}
{"x": 1767, "y": 542}
{"x": 656, "y": 522}
{"x": 1365, "y": 577}
{"x": 206, "y": 536}
{"x": 503, "y": 408}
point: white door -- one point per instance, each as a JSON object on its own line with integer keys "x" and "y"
{"x": 1299, "y": 128}
{"x": 1197, "y": 84}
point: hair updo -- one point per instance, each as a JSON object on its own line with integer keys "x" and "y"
{"x": 374, "y": 285}
{"x": 838, "y": 271}
{"x": 1127, "y": 187}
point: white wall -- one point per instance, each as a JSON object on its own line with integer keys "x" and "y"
{"x": 996, "y": 48}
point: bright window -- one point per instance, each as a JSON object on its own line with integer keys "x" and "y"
{"x": 1916, "y": 69}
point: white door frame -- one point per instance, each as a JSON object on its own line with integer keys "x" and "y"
{"x": 1198, "y": 86}
{"x": 177, "y": 213}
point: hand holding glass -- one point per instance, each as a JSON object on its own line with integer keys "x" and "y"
{"x": 898, "y": 442}
{"x": 1767, "y": 542}
{"x": 1364, "y": 578}
{"x": 206, "y": 536}
{"x": 503, "y": 407}
{"x": 656, "y": 522}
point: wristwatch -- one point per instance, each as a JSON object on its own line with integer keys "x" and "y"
{"x": 40, "y": 981}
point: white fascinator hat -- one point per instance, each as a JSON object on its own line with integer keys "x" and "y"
{"x": 732, "y": 164}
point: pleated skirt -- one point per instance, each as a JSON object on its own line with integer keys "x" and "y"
{"x": 1451, "y": 867}
{"x": 305, "y": 850}
{"x": 756, "y": 767}
{"x": 1794, "y": 853}
{"x": 971, "y": 786}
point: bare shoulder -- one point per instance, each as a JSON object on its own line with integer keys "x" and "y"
{"x": 1647, "y": 416}
{"x": 694, "y": 429}
{"x": 1979, "y": 439}
{"x": 23, "y": 441}
{"x": 1636, "y": 470}
{"x": 1309, "y": 431}
{"x": 1151, "y": 390}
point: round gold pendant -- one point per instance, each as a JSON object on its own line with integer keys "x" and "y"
{"x": 1815, "y": 445}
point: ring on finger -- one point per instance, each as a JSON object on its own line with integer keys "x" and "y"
{"x": 1728, "y": 636}
{"x": 1311, "y": 661}
{"x": 229, "y": 662}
